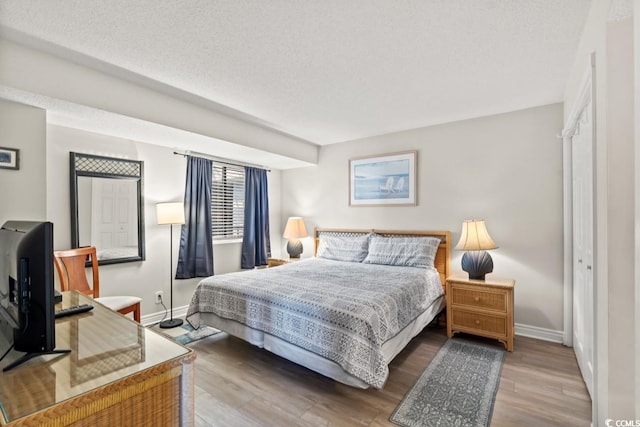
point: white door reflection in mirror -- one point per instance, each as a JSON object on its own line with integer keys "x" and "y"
{"x": 114, "y": 229}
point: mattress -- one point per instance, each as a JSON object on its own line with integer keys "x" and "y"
{"x": 357, "y": 316}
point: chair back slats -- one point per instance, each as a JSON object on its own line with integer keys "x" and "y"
{"x": 72, "y": 271}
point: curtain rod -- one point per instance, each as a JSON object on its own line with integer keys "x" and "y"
{"x": 220, "y": 160}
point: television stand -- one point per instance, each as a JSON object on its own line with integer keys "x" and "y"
{"x": 30, "y": 356}
{"x": 116, "y": 367}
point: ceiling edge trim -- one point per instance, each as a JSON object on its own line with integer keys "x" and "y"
{"x": 96, "y": 64}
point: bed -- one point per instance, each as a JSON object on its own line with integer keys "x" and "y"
{"x": 346, "y": 312}
{"x": 117, "y": 252}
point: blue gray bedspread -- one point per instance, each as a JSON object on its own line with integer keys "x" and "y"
{"x": 342, "y": 311}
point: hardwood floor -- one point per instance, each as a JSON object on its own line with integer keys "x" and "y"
{"x": 241, "y": 385}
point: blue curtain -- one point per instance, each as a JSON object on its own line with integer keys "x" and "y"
{"x": 196, "y": 245}
{"x": 256, "y": 245}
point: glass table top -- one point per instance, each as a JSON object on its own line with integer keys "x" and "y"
{"x": 105, "y": 347}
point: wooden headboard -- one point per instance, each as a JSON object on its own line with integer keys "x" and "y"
{"x": 443, "y": 256}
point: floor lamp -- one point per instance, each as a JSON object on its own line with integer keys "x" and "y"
{"x": 170, "y": 213}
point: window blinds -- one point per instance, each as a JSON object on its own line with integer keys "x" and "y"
{"x": 227, "y": 201}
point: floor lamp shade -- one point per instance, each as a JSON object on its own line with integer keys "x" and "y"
{"x": 293, "y": 231}
{"x": 475, "y": 239}
{"x": 169, "y": 214}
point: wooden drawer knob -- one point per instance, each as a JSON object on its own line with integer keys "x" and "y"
{"x": 477, "y": 322}
{"x": 476, "y": 299}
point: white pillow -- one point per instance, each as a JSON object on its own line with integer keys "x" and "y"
{"x": 403, "y": 251}
{"x": 346, "y": 247}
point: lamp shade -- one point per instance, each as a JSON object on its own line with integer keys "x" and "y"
{"x": 295, "y": 228}
{"x": 170, "y": 213}
{"x": 474, "y": 236}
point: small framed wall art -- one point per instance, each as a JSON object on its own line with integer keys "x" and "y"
{"x": 383, "y": 180}
{"x": 9, "y": 158}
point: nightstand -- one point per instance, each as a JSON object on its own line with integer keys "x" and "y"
{"x": 274, "y": 262}
{"x": 481, "y": 307}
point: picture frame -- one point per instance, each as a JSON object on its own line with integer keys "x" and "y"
{"x": 383, "y": 180}
{"x": 9, "y": 158}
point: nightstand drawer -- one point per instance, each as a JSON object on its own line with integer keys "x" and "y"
{"x": 481, "y": 322}
{"x": 476, "y": 298}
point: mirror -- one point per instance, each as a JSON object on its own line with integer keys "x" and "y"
{"x": 106, "y": 207}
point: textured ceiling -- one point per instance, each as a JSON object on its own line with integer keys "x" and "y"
{"x": 327, "y": 71}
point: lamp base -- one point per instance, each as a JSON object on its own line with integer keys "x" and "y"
{"x": 477, "y": 264}
{"x": 294, "y": 248}
{"x": 171, "y": 323}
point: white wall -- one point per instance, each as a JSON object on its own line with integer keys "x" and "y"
{"x": 164, "y": 177}
{"x": 44, "y": 75}
{"x": 620, "y": 150}
{"x": 506, "y": 169}
{"x": 636, "y": 124}
{"x": 23, "y": 191}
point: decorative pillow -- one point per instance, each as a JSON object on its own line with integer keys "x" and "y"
{"x": 343, "y": 247}
{"x": 403, "y": 251}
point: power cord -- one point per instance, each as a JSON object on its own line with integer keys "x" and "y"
{"x": 165, "y": 311}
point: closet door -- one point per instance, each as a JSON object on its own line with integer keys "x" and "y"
{"x": 583, "y": 302}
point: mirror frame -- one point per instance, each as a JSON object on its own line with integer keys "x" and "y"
{"x": 88, "y": 165}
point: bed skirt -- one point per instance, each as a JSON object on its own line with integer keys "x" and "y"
{"x": 326, "y": 367}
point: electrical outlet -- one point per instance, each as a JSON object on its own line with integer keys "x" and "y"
{"x": 159, "y": 295}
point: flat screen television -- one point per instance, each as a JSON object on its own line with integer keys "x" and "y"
{"x": 27, "y": 317}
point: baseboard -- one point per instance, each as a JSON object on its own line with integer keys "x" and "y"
{"x": 153, "y": 318}
{"x": 539, "y": 333}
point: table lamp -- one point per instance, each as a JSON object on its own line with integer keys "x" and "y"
{"x": 170, "y": 213}
{"x": 293, "y": 231}
{"x": 476, "y": 241}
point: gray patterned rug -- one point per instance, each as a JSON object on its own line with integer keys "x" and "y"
{"x": 458, "y": 388}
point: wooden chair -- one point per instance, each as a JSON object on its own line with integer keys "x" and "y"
{"x": 71, "y": 269}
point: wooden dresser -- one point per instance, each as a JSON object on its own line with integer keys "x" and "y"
{"x": 118, "y": 373}
{"x": 481, "y": 307}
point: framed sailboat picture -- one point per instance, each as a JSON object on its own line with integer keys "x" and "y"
{"x": 383, "y": 180}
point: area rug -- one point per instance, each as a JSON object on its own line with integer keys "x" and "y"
{"x": 185, "y": 334}
{"x": 458, "y": 388}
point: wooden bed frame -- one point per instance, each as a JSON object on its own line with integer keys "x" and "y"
{"x": 443, "y": 256}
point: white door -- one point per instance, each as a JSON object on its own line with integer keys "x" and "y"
{"x": 113, "y": 203}
{"x": 582, "y": 207}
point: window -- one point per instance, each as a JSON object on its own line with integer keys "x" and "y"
{"x": 227, "y": 201}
